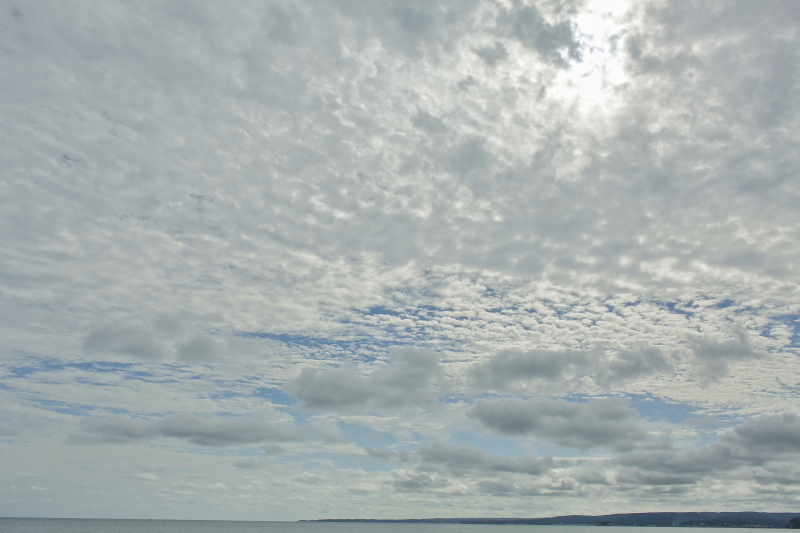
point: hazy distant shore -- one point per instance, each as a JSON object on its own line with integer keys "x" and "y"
{"x": 672, "y": 519}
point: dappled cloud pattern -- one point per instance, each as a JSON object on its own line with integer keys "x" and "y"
{"x": 288, "y": 259}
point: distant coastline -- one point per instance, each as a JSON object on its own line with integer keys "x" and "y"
{"x": 672, "y": 519}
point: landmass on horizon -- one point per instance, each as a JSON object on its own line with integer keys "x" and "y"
{"x": 666, "y": 519}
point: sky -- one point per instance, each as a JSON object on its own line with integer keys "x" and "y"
{"x": 281, "y": 260}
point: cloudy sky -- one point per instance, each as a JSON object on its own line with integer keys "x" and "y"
{"x": 280, "y": 260}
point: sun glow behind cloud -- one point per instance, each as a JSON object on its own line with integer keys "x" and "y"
{"x": 595, "y": 81}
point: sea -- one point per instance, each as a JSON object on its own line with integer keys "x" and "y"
{"x": 79, "y": 525}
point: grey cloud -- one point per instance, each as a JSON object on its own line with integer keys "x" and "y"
{"x": 444, "y": 467}
{"x": 665, "y": 468}
{"x": 168, "y": 336}
{"x": 608, "y": 422}
{"x": 410, "y": 26}
{"x": 171, "y": 324}
{"x": 308, "y": 478}
{"x": 398, "y": 456}
{"x": 126, "y": 340}
{"x": 250, "y": 463}
{"x": 198, "y": 431}
{"x": 754, "y": 443}
{"x": 461, "y": 458}
{"x": 779, "y": 474}
{"x": 491, "y": 55}
{"x": 542, "y": 370}
{"x": 632, "y": 363}
{"x": 671, "y": 465}
{"x": 200, "y": 349}
{"x": 645, "y": 477}
{"x": 550, "y": 40}
{"x": 113, "y": 430}
{"x": 713, "y": 357}
{"x": 643, "y": 63}
{"x": 497, "y": 487}
{"x": 465, "y": 83}
{"x": 767, "y": 435}
{"x": 764, "y": 449}
{"x": 224, "y": 432}
{"x": 471, "y": 160}
{"x": 425, "y": 121}
{"x": 590, "y": 475}
{"x": 419, "y": 482}
{"x": 281, "y": 25}
{"x": 7, "y": 431}
{"x": 407, "y": 380}
{"x": 510, "y": 367}
{"x": 274, "y": 449}
{"x": 331, "y": 389}
{"x": 414, "y": 20}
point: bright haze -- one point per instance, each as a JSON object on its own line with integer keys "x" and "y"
{"x": 278, "y": 260}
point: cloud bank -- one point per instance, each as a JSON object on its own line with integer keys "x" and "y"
{"x": 194, "y": 430}
{"x": 610, "y": 422}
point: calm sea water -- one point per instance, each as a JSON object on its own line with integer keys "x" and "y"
{"x": 70, "y": 525}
